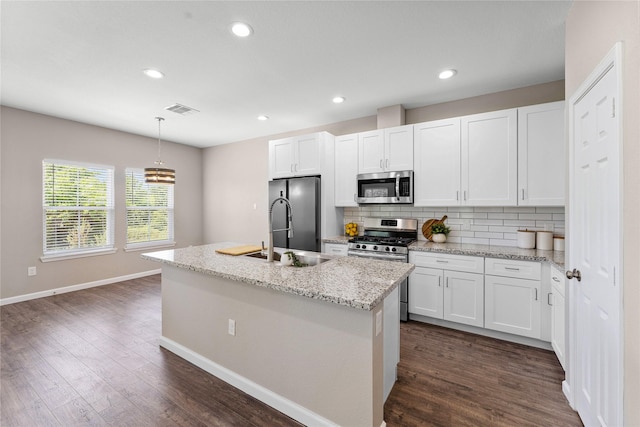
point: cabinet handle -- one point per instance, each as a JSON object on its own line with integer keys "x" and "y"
{"x": 512, "y": 268}
{"x": 536, "y": 289}
{"x": 465, "y": 195}
{"x": 555, "y": 279}
{"x": 381, "y": 164}
{"x": 296, "y": 165}
{"x": 443, "y": 261}
{"x": 457, "y": 195}
{"x": 549, "y": 299}
{"x": 523, "y": 194}
{"x": 439, "y": 284}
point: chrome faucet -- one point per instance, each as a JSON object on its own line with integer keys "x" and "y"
{"x": 271, "y": 230}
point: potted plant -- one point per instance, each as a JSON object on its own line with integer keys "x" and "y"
{"x": 439, "y": 232}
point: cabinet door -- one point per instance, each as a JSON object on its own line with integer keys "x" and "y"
{"x": 281, "y": 158}
{"x": 398, "y": 148}
{"x": 464, "y": 298}
{"x": 490, "y": 159}
{"x": 557, "y": 325}
{"x": 335, "y": 249}
{"x": 437, "y": 163}
{"x": 558, "y": 314}
{"x": 371, "y": 151}
{"x": 307, "y": 155}
{"x": 541, "y": 165}
{"x": 426, "y": 292}
{"x": 512, "y": 305}
{"x": 346, "y": 164}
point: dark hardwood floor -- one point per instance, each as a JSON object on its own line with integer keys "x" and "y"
{"x": 91, "y": 357}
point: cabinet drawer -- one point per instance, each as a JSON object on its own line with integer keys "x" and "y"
{"x": 513, "y": 268}
{"x": 557, "y": 280}
{"x": 468, "y": 264}
{"x": 335, "y": 249}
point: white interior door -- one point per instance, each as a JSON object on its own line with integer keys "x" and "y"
{"x": 595, "y": 242}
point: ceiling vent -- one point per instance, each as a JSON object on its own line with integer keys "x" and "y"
{"x": 183, "y": 110}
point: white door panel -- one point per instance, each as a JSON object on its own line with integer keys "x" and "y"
{"x": 595, "y": 228}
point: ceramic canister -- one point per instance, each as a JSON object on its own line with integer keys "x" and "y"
{"x": 526, "y": 239}
{"x": 544, "y": 240}
{"x": 558, "y": 243}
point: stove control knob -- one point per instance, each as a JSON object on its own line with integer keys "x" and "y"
{"x": 393, "y": 249}
{"x": 387, "y": 249}
{"x": 357, "y": 246}
{"x": 375, "y": 248}
{"x": 364, "y": 246}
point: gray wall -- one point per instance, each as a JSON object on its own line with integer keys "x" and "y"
{"x": 592, "y": 28}
{"x": 28, "y": 138}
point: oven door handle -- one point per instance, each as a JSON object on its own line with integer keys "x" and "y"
{"x": 397, "y": 188}
{"x": 383, "y": 257}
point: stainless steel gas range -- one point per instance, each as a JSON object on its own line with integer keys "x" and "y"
{"x": 387, "y": 239}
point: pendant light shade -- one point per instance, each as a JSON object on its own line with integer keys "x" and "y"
{"x": 159, "y": 174}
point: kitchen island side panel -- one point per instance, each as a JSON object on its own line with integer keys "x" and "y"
{"x": 322, "y": 356}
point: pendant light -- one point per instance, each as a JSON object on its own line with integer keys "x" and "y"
{"x": 158, "y": 174}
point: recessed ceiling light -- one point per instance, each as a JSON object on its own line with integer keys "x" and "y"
{"x": 447, "y": 74}
{"x": 154, "y": 74}
{"x": 339, "y": 99}
{"x": 263, "y": 117}
{"x": 241, "y": 29}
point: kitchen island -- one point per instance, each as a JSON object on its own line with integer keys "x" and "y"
{"x": 307, "y": 341}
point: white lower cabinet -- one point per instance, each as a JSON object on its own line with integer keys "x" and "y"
{"x": 558, "y": 315}
{"x": 513, "y": 297}
{"x": 446, "y": 292}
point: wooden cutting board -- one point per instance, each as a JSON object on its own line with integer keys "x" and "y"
{"x": 239, "y": 250}
{"x": 426, "y": 227}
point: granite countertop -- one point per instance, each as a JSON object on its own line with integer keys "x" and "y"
{"x": 349, "y": 281}
{"x": 555, "y": 258}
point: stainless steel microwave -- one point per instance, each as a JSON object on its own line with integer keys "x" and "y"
{"x": 385, "y": 187}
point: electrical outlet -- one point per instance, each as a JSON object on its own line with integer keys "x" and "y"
{"x": 31, "y": 271}
{"x": 232, "y": 327}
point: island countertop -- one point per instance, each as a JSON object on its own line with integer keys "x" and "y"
{"x": 350, "y": 281}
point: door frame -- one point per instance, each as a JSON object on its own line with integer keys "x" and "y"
{"x": 613, "y": 59}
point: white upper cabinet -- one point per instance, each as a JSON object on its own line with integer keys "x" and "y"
{"x": 398, "y": 146}
{"x": 295, "y": 156}
{"x": 541, "y": 155}
{"x": 385, "y": 150}
{"x": 437, "y": 163}
{"x": 490, "y": 159}
{"x": 346, "y": 171}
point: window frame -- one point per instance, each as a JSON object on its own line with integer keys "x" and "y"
{"x": 109, "y": 209}
{"x": 170, "y": 208}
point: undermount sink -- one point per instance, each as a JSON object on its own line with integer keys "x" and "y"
{"x": 276, "y": 256}
{"x": 309, "y": 259}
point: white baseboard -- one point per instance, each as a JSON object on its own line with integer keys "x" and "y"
{"x": 567, "y": 393}
{"x": 65, "y": 289}
{"x": 282, "y": 404}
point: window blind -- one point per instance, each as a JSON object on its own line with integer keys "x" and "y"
{"x": 149, "y": 211}
{"x": 77, "y": 207}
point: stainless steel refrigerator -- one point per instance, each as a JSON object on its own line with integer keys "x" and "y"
{"x": 304, "y": 196}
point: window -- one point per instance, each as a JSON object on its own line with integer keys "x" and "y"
{"x": 77, "y": 203}
{"x": 149, "y": 212}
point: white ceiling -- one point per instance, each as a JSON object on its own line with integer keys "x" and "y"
{"x": 83, "y": 60}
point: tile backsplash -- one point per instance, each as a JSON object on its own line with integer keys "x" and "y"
{"x": 477, "y": 225}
